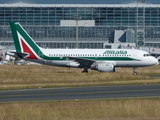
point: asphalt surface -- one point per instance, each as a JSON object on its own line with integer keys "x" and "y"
{"x": 81, "y": 93}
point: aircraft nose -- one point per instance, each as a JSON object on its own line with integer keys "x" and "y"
{"x": 155, "y": 61}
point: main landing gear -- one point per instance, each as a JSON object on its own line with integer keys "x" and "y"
{"x": 134, "y": 71}
{"x": 85, "y": 70}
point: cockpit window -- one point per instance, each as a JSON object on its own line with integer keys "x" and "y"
{"x": 145, "y": 55}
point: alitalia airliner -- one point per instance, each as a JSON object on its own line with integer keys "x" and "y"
{"x": 102, "y": 60}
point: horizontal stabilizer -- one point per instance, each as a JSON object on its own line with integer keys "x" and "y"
{"x": 17, "y": 54}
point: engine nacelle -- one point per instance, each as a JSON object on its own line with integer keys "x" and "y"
{"x": 103, "y": 67}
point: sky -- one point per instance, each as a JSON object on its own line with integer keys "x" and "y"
{"x": 77, "y": 1}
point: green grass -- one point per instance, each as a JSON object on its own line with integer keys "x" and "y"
{"x": 147, "y": 109}
{"x": 32, "y": 76}
{"x": 15, "y": 77}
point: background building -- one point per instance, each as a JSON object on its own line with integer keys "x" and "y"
{"x": 54, "y": 25}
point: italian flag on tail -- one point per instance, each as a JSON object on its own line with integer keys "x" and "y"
{"x": 23, "y": 42}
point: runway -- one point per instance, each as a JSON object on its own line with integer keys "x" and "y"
{"x": 81, "y": 93}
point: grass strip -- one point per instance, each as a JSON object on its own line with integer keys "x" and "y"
{"x": 136, "y": 109}
{"x": 33, "y": 76}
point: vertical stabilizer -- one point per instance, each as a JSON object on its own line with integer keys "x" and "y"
{"x": 23, "y": 42}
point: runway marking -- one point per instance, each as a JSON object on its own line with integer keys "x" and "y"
{"x": 80, "y": 93}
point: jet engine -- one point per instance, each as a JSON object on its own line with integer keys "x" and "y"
{"x": 103, "y": 67}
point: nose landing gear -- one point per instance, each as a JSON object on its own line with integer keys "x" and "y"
{"x": 134, "y": 71}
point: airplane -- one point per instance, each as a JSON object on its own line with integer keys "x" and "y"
{"x": 102, "y": 60}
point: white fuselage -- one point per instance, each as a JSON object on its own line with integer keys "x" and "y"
{"x": 132, "y": 57}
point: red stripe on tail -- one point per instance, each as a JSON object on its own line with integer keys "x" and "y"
{"x": 28, "y": 50}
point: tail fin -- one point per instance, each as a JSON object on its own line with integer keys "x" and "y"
{"x": 23, "y": 42}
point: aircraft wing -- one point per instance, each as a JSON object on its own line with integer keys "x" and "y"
{"x": 82, "y": 60}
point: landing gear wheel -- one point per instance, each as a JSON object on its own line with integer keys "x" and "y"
{"x": 134, "y": 73}
{"x": 85, "y": 70}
